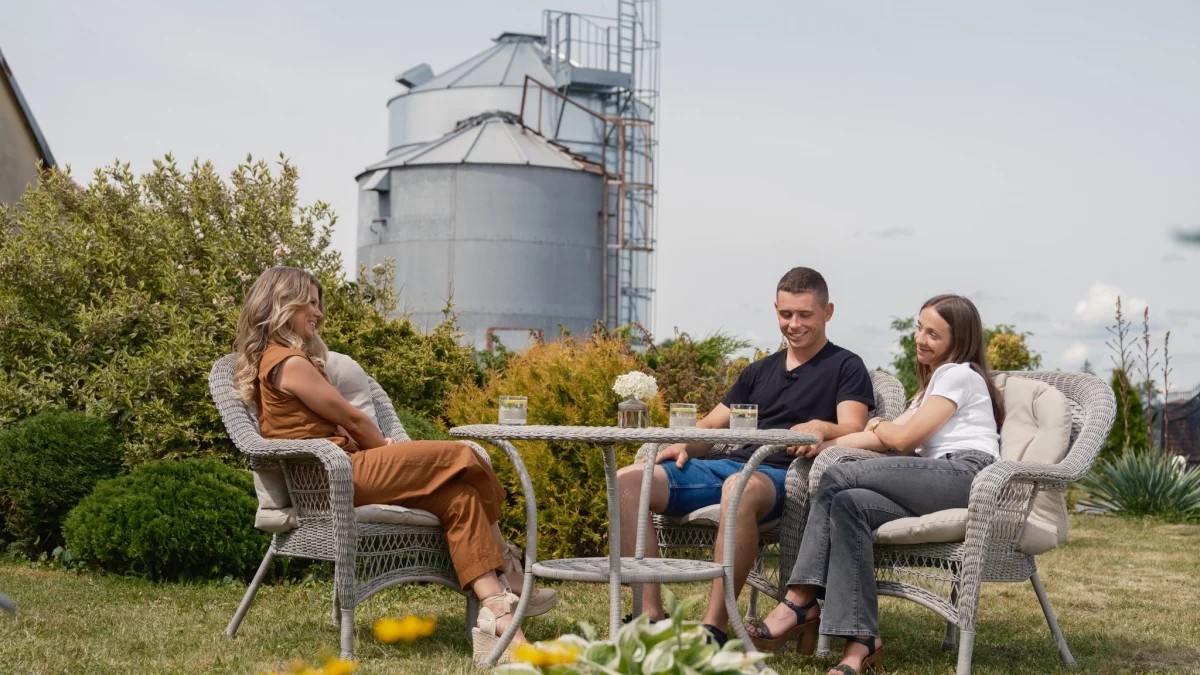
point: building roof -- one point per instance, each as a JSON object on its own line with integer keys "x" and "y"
{"x": 11, "y": 81}
{"x": 504, "y": 64}
{"x": 491, "y": 138}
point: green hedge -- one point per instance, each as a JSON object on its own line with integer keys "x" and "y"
{"x": 48, "y": 463}
{"x": 170, "y": 520}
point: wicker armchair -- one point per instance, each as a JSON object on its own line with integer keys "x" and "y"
{"x": 368, "y": 557}
{"x": 694, "y": 535}
{"x": 945, "y": 577}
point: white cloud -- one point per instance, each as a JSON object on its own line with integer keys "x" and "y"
{"x": 1075, "y": 355}
{"x": 1098, "y": 306}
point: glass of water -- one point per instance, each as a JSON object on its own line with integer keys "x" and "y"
{"x": 682, "y": 415}
{"x": 513, "y": 409}
{"x": 743, "y": 416}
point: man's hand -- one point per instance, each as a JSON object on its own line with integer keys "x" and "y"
{"x": 676, "y": 451}
{"x": 814, "y": 428}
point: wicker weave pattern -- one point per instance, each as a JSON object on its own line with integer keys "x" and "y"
{"x": 946, "y": 577}
{"x": 777, "y": 546}
{"x": 367, "y": 557}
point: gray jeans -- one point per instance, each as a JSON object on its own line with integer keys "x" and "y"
{"x": 852, "y": 500}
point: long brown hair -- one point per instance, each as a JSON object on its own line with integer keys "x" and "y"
{"x": 267, "y": 317}
{"x": 966, "y": 345}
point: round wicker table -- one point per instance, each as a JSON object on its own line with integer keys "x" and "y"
{"x": 615, "y": 569}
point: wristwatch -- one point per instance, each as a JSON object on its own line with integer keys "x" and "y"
{"x": 873, "y": 422}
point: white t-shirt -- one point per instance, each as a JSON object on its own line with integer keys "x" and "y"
{"x": 973, "y": 425}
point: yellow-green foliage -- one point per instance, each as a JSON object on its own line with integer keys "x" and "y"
{"x": 117, "y": 297}
{"x": 567, "y": 382}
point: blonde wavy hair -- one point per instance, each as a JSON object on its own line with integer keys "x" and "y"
{"x": 267, "y": 317}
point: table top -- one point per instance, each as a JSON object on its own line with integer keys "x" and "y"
{"x": 545, "y": 432}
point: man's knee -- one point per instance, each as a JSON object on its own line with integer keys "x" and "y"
{"x": 759, "y": 490}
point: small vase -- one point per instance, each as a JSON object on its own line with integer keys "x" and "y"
{"x": 633, "y": 414}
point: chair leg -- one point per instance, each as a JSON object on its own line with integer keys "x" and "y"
{"x": 966, "y": 648}
{"x": 1063, "y": 651}
{"x": 472, "y": 613}
{"x": 950, "y": 636}
{"x": 348, "y": 633}
{"x": 248, "y": 598}
{"x": 752, "y": 612}
{"x": 822, "y": 646}
{"x": 336, "y": 616}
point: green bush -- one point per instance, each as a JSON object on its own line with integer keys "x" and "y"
{"x": 170, "y": 520}
{"x": 1143, "y": 483}
{"x": 420, "y": 428}
{"x": 700, "y": 372}
{"x": 48, "y": 463}
{"x": 116, "y": 298}
{"x": 568, "y": 382}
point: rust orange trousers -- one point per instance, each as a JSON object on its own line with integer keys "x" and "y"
{"x": 447, "y": 479}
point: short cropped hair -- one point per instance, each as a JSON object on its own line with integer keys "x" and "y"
{"x": 805, "y": 280}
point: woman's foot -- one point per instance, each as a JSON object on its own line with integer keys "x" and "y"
{"x": 543, "y": 599}
{"x": 860, "y": 652}
{"x": 495, "y": 616}
{"x": 786, "y": 622}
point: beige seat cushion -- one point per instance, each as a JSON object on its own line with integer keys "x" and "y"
{"x": 275, "y": 513}
{"x": 710, "y": 516}
{"x": 395, "y": 515}
{"x": 1037, "y": 428}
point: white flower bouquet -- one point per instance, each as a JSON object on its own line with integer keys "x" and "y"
{"x": 636, "y": 385}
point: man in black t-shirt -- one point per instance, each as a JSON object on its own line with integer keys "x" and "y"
{"x": 812, "y": 386}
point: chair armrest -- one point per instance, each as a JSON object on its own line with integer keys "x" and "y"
{"x": 333, "y": 459}
{"x": 1002, "y": 496}
{"x": 483, "y": 454}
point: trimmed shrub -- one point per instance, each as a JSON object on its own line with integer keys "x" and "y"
{"x": 420, "y": 428}
{"x": 1143, "y": 483}
{"x": 116, "y": 298}
{"x": 567, "y": 382}
{"x": 170, "y": 520}
{"x": 700, "y": 372}
{"x": 48, "y": 463}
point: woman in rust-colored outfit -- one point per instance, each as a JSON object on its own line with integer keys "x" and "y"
{"x": 281, "y": 368}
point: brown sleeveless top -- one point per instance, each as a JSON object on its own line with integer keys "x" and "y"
{"x": 282, "y": 415}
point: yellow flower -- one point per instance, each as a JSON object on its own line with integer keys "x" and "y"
{"x": 389, "y": 630}
{"x": 337, "y": 666}
{"x": 544, "y": 654}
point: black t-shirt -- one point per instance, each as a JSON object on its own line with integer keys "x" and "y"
{"x": 811, "y": 391}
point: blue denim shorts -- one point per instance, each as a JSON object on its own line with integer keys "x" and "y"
{"x": 698, "y": 484}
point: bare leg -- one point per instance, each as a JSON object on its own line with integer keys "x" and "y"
{"x": 629, "y": 483}
{"x": 756, "y": 504}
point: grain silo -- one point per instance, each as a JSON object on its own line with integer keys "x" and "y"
{"x": 521, "y": 181}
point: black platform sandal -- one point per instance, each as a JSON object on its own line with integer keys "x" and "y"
{"x": 716, "y": 634}
{"x": 629, "y": 617}
{"x": 874, "y": 658}
{"x": 805, "y": 629}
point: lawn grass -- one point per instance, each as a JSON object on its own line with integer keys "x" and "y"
{"x": 1125, "y": 591}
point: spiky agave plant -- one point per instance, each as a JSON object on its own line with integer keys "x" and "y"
{"x": 1144, "y": 483}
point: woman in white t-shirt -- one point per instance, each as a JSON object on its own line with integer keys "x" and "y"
{"x": 935, "y": 449}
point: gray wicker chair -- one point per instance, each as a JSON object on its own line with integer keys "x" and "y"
{"x": 694, "y": 535}
{"x": 946, "y": 577}
{"x": 367, "y": 557}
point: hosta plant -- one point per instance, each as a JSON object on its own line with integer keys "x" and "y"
{"x": 669, "y": 647}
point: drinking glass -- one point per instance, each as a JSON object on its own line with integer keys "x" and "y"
{"x": 682, "y": 415}
{"x": 513, "y": 409}
{"x": 743, "y": 416}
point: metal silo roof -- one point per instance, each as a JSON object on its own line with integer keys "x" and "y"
{"x": 490, "y": 138}
{"x": 505, "y": 64}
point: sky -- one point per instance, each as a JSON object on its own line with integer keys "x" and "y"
{"x": 1033, "y": 156}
